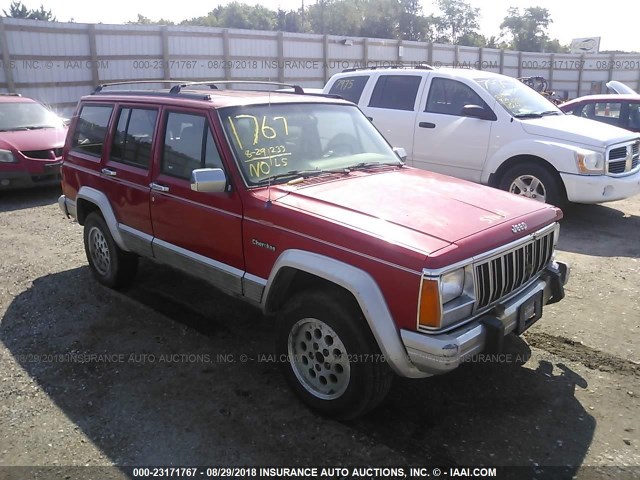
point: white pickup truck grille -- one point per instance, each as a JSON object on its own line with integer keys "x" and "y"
{"x": 621, "y": 160}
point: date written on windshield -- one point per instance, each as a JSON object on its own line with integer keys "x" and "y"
{"x": 255, "y": 137}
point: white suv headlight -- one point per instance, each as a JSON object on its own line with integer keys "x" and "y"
{"x": 589, "y": 162}
{"x": 6, "y": 156}
{"x": 452, "y": 285}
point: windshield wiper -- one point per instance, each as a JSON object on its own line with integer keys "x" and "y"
{"x": 551, "y": 112}
{"x": 25, "y": 128}
{"x": 292, "y": 173}
{"x": 528, "y": 115}
{"x": 365, "y": 165}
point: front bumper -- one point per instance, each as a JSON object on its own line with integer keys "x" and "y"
{"x": 437, "y": 354}
{"x": 67, "y": 206}
{"x": 17, "y": 179}
{"x": 600, "y": 188}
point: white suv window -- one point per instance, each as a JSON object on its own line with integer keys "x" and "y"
{"x": 450, "y": 96}
{"x": 396, "y": 92}
{"x": 349, "y": 88}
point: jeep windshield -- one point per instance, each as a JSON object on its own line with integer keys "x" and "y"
{"x": 280, "y": 142}
{"x": 517, "y": 98}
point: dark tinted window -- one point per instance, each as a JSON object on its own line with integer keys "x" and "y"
{"x": 134, "y": 136}
{"x": 634, "y": 117}
{"x": 188, "y": 144}
{"x": 395, "y": 91}
{"x": 91, "y": 129}
{"x": 349, "y": 88}
{"x": 449, "y": 96}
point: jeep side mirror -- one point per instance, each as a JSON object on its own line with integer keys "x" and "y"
{"x": 476, "y": 111}
{"x": 209, "y": 180}
{"x": 401, "y": 153}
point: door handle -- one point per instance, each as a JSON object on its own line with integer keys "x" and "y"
{"x": 427, "y": 125}
{"x": 108, "y": 172}
{"x": 370, "y": 119}
{"x": 158, "y": 188}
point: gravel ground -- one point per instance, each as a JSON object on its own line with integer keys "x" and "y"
{"x": 174, "y": 373}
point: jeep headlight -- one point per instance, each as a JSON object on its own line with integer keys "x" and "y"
{"x": 589, "y": 162}
{"x": 6, "y": 156}
{"x": 452, "y": 285}
{"x": 440, "y": 294}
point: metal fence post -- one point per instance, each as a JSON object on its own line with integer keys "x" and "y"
{"x": 580, "y": 75}
{"x": 93, "y": 52}
{"x": 6, "y": 58}
{"x": 281, "y": 57}
{"x": 226, "y": 54}
{"x": 164, "y": 32}
{"x": 325, "y": 57}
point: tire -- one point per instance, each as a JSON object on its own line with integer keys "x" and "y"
{"x": 547, "y": 186}
{"x": 109, "y": 264}
{"x": 329, "y": 356}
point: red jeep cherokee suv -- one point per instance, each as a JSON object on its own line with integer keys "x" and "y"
{"x": 297, "y": 204}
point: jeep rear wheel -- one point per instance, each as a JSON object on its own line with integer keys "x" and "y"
{"x": 535, "y": 182}
{"x": 329, "y": 356}
{"x": 109, "y": 264}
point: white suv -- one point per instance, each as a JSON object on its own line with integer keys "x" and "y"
{"x": 492, "y": 129}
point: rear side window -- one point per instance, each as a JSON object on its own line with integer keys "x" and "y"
{"x": 397, "y": 92}
{"x": 349, "y": 88}
{"x": 134, "y": 136}
{"x": 91, "y": 129}
{"x": 188, "y": 144}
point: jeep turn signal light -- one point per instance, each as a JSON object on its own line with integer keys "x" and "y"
{"x": 430, "y": 312}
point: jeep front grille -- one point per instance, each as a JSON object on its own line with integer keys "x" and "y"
{"x": 500, "y": 275}
{"x": 623, "y": 159}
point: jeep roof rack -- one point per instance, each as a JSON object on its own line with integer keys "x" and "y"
{"x": 178, "y": 87}
{"x": 390, "y": 67}
{"x": 102, "y": 86}
{"x": 11, "y": 94}
{"x": 213, "y": 85}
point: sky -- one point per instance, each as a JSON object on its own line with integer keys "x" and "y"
{"x": 616, "y": 23}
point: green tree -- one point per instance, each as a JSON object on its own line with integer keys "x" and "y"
{"x": 238, "y": 15}
{"x": 292, "y": 21}
{"x": 336, "y": 17}
{"x": 142, "y": 20}
{"x": 457, "y": 21}
{"x": 528, "y": 30}
{"x": 18, "y": 10}
{"x": 412, "y": 24}
{"x": 380, "y": 18}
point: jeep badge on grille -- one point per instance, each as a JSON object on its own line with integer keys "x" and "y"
{"x": 519, "y": 227}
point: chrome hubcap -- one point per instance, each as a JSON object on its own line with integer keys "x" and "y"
{"x": 319, "y": 359}
{"x": 99, "y": 251}
{"x": 530, "y": 187}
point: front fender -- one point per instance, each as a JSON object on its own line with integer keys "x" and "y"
{"x": 366, "y": 292}
{"x": 561, "y": 156}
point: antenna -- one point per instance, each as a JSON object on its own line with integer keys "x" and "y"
{"x": 268, "y": 204}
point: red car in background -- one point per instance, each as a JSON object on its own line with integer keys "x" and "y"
{"x": 619, "y": 110}
{"x": 31, "y": 141}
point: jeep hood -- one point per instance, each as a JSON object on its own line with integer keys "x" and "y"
{"x": 568, "y": 128}
{"x": 422, "y": 210}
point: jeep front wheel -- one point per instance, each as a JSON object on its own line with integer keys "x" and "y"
{"x": 109, "y": 264}
{"x": 329, "y": 356}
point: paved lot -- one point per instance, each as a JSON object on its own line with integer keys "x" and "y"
{"x": 172, "y": 372}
